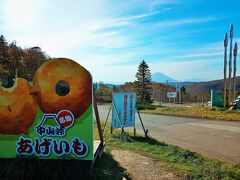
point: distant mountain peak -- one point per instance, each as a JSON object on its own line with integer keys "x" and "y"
{"x": 162, "y": 78}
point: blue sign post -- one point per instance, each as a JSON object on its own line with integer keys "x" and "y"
{"x": 123, "y": 112}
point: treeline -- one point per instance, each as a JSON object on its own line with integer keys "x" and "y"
{"x": 158, "y": 92}
{"x": 103, "y": 93}
{"x": 22, "y": 62}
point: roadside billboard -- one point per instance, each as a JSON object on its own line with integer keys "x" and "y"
{"x": 171, "y": 94}
{"x": 123, "y": 112}
{"x": 50, "y": 118}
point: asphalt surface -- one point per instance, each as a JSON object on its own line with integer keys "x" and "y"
{"x": 218, "y": 139}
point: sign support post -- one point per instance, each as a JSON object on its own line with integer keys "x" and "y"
{"x": 114, "y": 107}
{"x": 134, "y": 130}
{"x": 100, "y": 148}
{"x": 98, "y": 120}
{"x": 144, "y": 130}
{"x": 107, "y": 117}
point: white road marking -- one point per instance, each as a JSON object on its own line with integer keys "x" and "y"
{"x": 219, "y": 127}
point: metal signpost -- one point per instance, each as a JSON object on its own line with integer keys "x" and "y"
{"x": 178, "y": 90}
{"x": 172, "y": 95}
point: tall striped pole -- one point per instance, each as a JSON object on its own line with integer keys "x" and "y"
{"x": 234, "y": 69}
{"x": 225, "y": 70}
{"x": 230, "y": 65}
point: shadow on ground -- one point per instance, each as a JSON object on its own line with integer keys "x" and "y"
{"x": 148, "y": 140}
{"x": 39, "y": 169}
{"x": 108, "y": 168}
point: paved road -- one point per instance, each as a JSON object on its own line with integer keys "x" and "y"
{"x": 219, "y": 139}
{"x": 173, "y": 105}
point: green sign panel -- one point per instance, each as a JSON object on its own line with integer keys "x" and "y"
{"x": 216, "y": 99}
{"x": 50, "y": 118}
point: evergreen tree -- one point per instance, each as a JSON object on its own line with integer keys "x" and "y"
{"x": 143, "y": 81}
{"x": 183, "y": 90}
{"x": 114, "y": 88}
{"x": 95, "y": 88}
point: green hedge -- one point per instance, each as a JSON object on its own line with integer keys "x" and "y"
{"x": 146, "y": 107}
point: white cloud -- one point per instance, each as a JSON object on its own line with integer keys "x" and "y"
{"x": 117, "y": 22}
{"x": 204, "y": 62}
{"x": 205, "y": 54}
{"x": 185, "y": 21}
{"x": 20, "y": 16}
{"x": 61, "y": 43}
{"x": 102, "y": 70}
{"x": 59, "y": 26}
{"x": 69, "y": 28}
{"x": 187, "y": 70}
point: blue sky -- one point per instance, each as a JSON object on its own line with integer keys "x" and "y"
{"x": 181, "y": 38}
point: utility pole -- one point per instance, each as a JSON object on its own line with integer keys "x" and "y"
{"x": 180, "y": 98}
{"x": 234, "y": 69}
{"x": 225, "y": 70}
{"x": 178, "y": 90}
{"x": 230, "y": 65}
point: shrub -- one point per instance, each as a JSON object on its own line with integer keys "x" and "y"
{"x": 146, "y": 107}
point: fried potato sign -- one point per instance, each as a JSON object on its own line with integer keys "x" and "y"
{"x": 52, "y": 114}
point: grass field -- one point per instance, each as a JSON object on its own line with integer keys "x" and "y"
{"x": 186, "y": 164}
{"x": 198, "y": 112}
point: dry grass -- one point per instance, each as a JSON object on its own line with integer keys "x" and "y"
{"x": 198, "y": 112}
{"x": 181, "y": 162}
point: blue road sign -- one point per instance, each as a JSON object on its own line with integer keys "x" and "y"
{"x": 123, "y": 112}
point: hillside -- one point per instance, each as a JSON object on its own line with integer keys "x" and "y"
{"x": 216, "y": 85}
{"x": 162, "y": 78}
